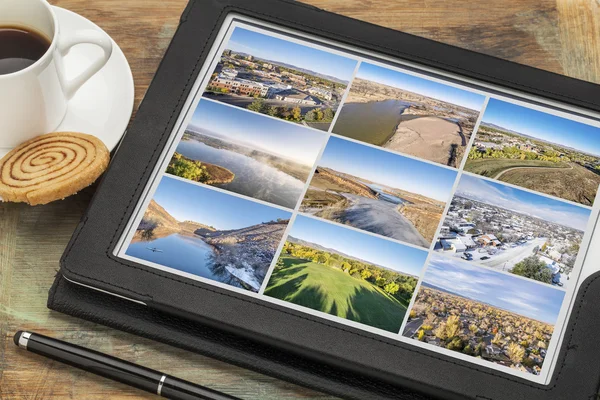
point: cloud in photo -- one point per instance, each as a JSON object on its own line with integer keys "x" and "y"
{"x": 523, "y": 202}
{"x": 521, "y": 296}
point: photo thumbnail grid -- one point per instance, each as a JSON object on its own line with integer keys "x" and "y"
{"x": 335, "y": 185}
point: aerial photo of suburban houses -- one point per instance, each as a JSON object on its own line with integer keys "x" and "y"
{"x": 379, "y": 191}
{"x": 409, "y": 114}
{"x": 482, "y": 313}
{"x": 206, "y": 233}
{"x": 280, "y": 78}
{"x": 513, "y": 230}
{"x": 537, "y": 151}
{"x": 246, "y": 153}
{"x": 345, "y": 273}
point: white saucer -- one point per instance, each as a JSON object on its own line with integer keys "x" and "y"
{"x": 104, "y": 104}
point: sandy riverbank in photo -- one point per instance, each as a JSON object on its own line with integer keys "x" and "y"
{"x": 432, "y": 138}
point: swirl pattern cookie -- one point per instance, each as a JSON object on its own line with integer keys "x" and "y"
{"x": 51, "y": 167}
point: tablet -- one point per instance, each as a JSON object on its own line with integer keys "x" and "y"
{"x": 436, "y": 211}
{"x": 390, "y": 207}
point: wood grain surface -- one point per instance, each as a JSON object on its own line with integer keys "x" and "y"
{"x": 561, "y": 36}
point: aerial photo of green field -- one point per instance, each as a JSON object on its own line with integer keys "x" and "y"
{"x": 324, "y": 267}
{"x": 537, "y": 151}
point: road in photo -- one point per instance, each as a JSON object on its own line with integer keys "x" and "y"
{"x": 408, "y": 114}
{"x": 506, "y": 259}
{"x": 345, "y": 273}
{"x": 209, "y": 234}
{"x": 478, "y": 312}
{"x": 246, "y": 153}
{"x": 379, "y": 192}
{"x": 537, "y": 151}
{"x": 513, "y": 230}
{"x": 294, "y": 82}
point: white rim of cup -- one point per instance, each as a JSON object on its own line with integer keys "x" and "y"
{"x": 48, "y": 52}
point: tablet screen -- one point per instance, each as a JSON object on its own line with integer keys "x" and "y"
{"x": 409, "y": 203}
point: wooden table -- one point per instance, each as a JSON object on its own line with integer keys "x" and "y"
{"x": 561, "y": 36}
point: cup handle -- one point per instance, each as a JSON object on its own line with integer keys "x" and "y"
{"x": 65, "y": 44}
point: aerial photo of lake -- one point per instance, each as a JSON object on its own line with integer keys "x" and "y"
{"x": 252, "y": 178}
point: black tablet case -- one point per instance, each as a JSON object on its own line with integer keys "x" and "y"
{"x": 271, "y": 339}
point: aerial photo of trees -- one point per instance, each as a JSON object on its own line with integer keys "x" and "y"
{"x": 482, "y": 313}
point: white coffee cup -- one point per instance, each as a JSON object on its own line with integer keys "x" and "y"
{"x": 33, "y": 101}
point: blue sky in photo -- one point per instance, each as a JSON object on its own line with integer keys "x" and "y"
{"x": 365, "y": 247}
{"x": 274, "y": 49}
{"x": 543, "y": 126}
{"x": 421, "y": 86}
{"x": 527, "y": 298}
{"x": 388, "y": 169}
{"x": 277, "y": 137}
{"x": 185, "y": 201}
{"x": 523, "y": 202}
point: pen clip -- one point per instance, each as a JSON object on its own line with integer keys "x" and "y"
{"x": 160, "y": 385}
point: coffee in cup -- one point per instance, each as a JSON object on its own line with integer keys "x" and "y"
{"x": 20, "y": 48}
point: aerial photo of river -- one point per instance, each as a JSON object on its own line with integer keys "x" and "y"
{"x": 372, "y": 122}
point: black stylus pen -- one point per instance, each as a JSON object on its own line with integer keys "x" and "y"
{"x": 113, "y": 368}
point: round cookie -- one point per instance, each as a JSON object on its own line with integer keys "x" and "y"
{"x": 51, "y": 167}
